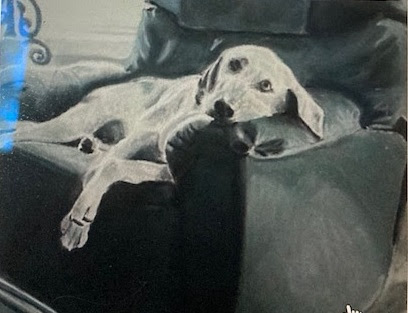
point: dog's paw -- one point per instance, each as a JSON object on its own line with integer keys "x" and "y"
{"x": 244, "y": 140}
{"x": 243, "y": 137}
{"x": 76, "y": 223}
{"x": 92, "y": 145}
{"x": 74, "y": 233}
{"x": 86, "y": 145}
{"x": 271, "y": 147}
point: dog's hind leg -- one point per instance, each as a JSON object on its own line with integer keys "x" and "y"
{"x": 78, "y": 122}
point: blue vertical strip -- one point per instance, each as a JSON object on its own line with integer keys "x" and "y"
{"x": 13, "y": 61}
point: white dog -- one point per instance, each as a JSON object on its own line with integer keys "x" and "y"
{"x": 115, "y": 124}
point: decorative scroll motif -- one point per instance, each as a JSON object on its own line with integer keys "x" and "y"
{"x": 15, "y": 24}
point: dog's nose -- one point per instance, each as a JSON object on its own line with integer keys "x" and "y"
{"x": 223, "y": 110}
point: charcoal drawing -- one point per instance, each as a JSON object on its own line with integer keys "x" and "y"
{"x": 230, "y": 156}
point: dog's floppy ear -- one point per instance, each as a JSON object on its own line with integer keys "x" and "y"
{"x": 301, "y": 104}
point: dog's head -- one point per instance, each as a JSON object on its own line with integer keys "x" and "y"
{"x": 248, "y": 82}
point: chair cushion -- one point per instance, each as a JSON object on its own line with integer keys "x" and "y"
{"x": 342, "y": 118}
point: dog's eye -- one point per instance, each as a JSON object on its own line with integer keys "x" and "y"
{"x": 265, "y": 86}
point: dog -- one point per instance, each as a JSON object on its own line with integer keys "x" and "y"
{"x": 116, "y": 126}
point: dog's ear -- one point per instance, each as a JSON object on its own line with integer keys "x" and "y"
{"x": 300, "y": 103}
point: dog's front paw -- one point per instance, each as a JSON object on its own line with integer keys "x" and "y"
{"x": 76, "y": 223}
{"x": 86, "y": 145}
{"x": 243, "y": 137}
{"x": 74, "y": 232}
{"x": 270, "y": 148}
